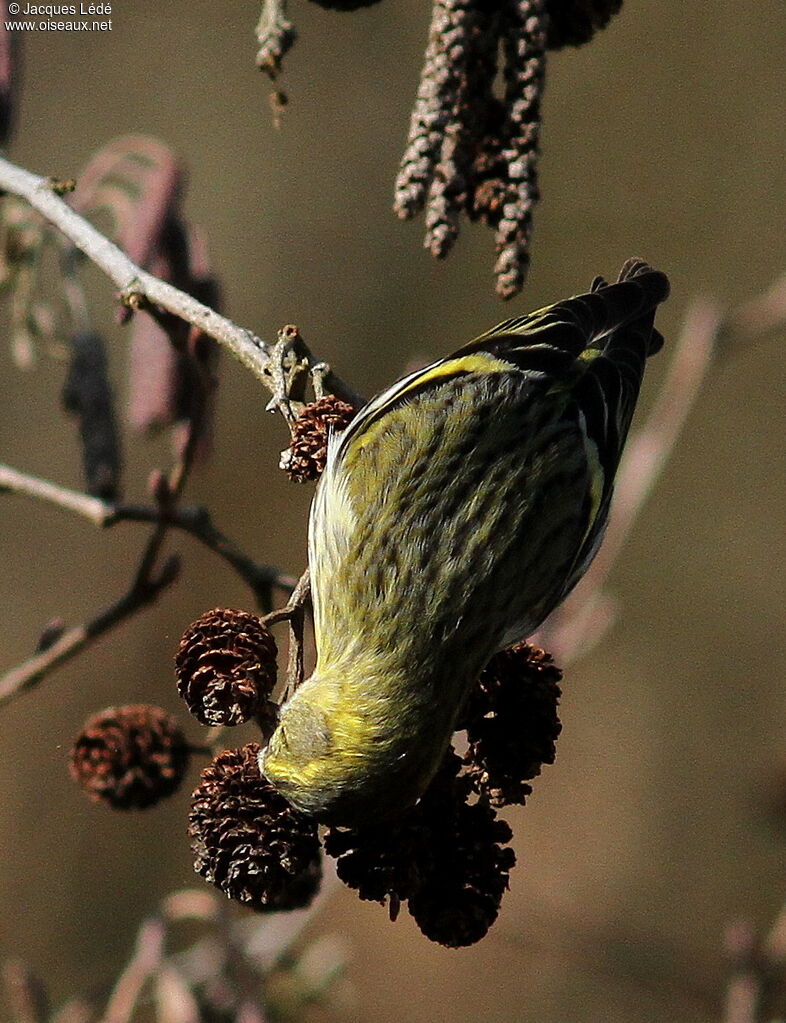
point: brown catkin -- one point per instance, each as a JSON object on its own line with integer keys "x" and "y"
{"x": 524, "y": 45}
{"x": 470, "y": 153}
{"x": 435, "y": 104}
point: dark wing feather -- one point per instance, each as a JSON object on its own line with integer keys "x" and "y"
{"x": 597, "y": 343}
{"x": 601, "y": 339}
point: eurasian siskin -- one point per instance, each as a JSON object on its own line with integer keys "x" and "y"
{"x": 455, "y": 512}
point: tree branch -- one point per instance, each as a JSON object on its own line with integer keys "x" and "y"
{"x": 196, "y": 521}
{"x": 143, "y": 591}
{"x": 138, "y": 288}
{"x": 92, "y": 508}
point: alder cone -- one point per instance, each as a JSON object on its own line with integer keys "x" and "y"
{"x": 130, "y": 757}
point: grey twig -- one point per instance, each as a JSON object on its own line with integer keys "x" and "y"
{"x": 295, "y": 614}
{"x": 140, "y": 289}
{"x": 143, "y": 591}
{"x": 94, "y": 509}
{"x": 196, "y": 521}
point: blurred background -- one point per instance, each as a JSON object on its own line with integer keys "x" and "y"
{"x": 660, "y": 822}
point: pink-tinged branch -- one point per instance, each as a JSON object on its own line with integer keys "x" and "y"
{"x": 144, "y": 964}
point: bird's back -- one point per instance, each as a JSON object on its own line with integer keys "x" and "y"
{"x": 443, "y": 494}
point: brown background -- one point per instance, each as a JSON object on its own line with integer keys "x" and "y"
{"x": 665, "y": 138}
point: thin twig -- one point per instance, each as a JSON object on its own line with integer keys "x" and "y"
{"x": 97, "y": 511}
{"x": 142, "y": 592}
{"x": 194, "y": 520}
{"x": 299, "y": 601}
{"x": 289, "y": 367}
{"x": 144, "y": 964}
{"x": 295, "y": 614}
{"x": 140, "y": 289}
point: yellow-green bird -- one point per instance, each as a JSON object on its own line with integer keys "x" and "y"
{"x": 456, "y": 511}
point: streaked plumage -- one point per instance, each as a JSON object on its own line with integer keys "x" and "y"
{"x": 456, "y": 511}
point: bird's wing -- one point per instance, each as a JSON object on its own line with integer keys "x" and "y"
{"x": 612, "y": 320}
{"x": 589, "y": 350}
{"x": 608, "y": 334}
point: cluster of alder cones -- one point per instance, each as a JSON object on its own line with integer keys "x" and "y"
{"x": 447, "y": 858}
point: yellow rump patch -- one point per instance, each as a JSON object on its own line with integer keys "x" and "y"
{"x": 478, "y": 362}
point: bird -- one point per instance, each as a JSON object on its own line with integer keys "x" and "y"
{"x": 456, "y": 511}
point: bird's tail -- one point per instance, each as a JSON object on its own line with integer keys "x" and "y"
{"x": 644, "y": 289}
{"x": 551, "y": 338}
{"x": 620, "y": 318}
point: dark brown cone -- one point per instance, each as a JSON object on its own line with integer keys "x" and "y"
{"x": 459, "y": 899}
{"x": 307, "y": 454}
{"x": 575, "y": 22}
{"x": 246, "y": 838}
{"x": 389, "y": 860}
{"x": 461, "y": 890}
{"x": 512, "y": 723}
{"x": 226, "y": 666}
{"x": 444, "y": 856}
{"x": 381, "y": 862}
{"x": 130, "y": 757}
